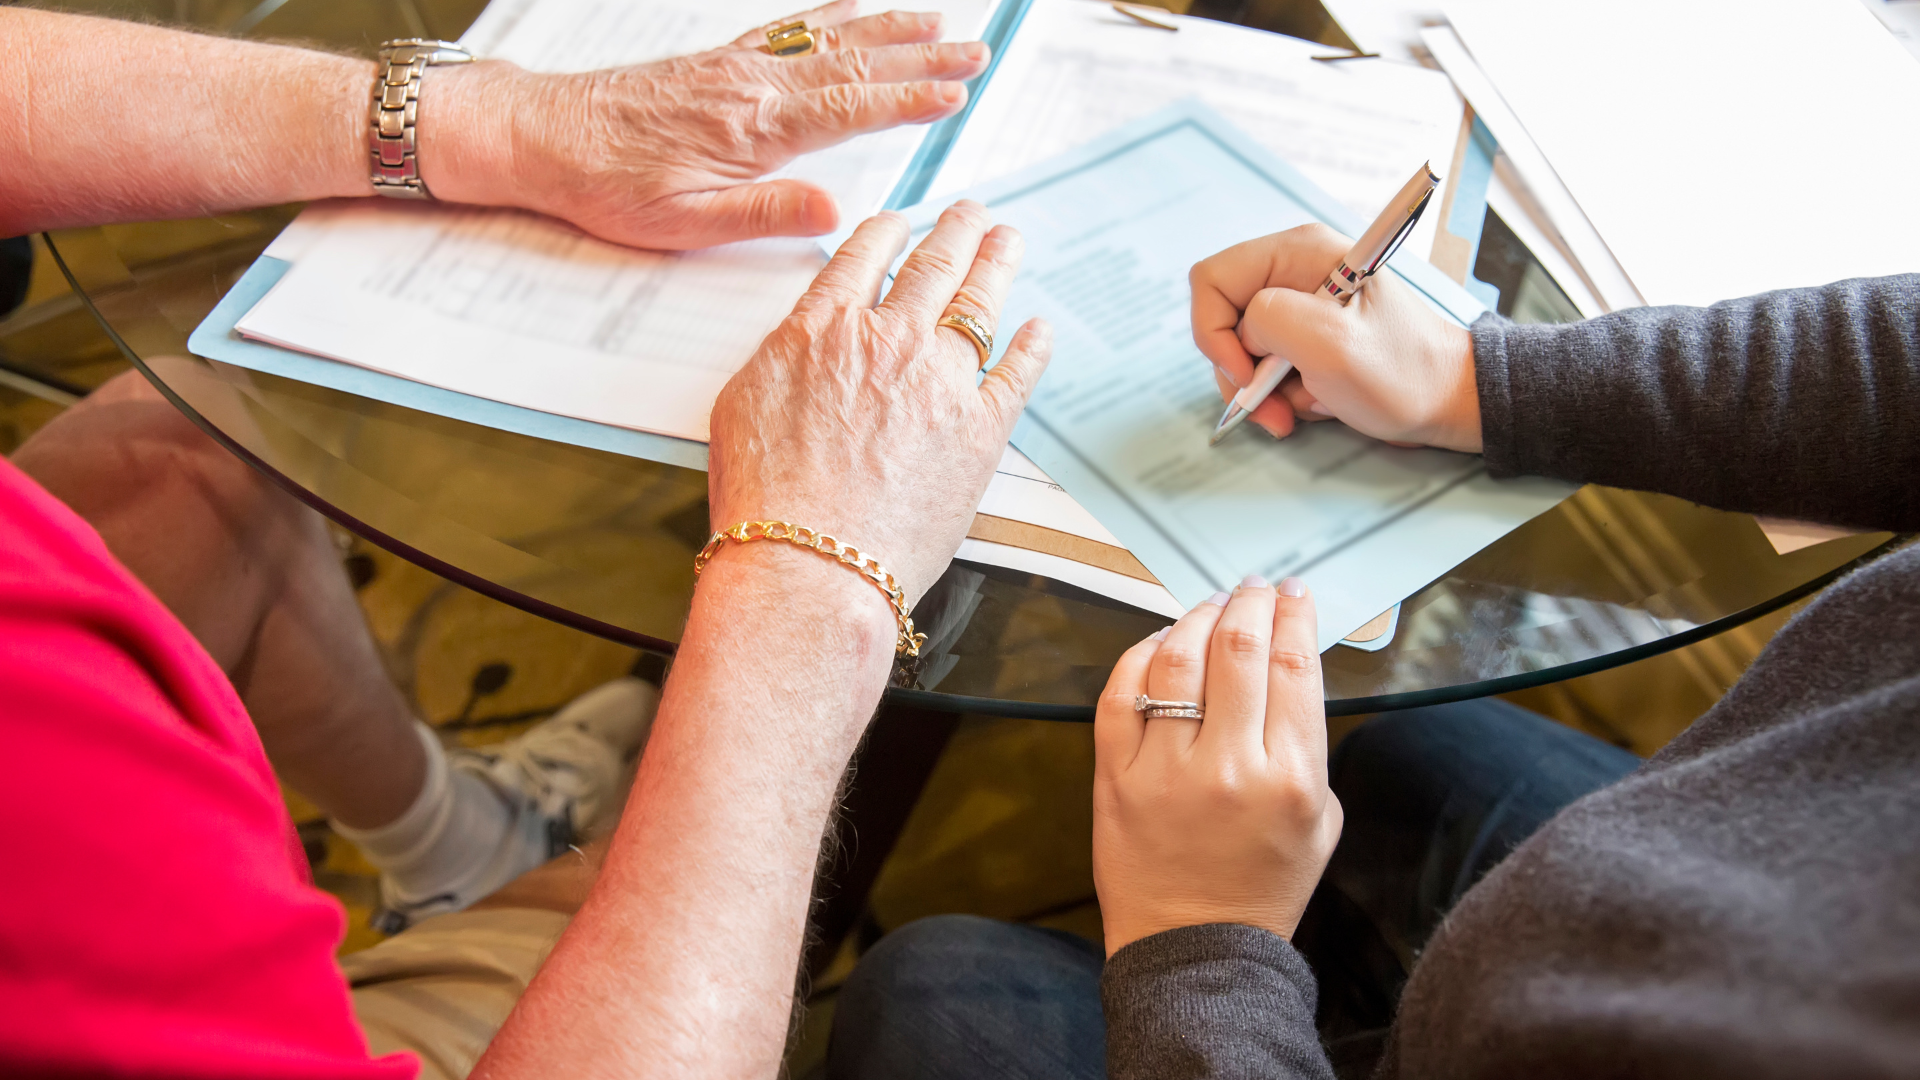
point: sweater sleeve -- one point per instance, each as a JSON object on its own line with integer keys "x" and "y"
{"x": 1803, "y": 403}
{"x": 1219, "y": 1001}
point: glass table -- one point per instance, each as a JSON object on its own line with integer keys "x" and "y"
{"x": 605, "y": 543}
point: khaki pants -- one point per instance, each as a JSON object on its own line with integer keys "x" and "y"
{"x": 442, "y": 988}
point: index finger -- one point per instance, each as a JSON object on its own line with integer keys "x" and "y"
{"x": 856, "y": 271}
{"x": 1225, "y": 283}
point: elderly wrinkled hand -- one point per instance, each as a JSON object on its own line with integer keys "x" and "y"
{"x": 1384, "y": 363}
{"x": 1226, "y": 819}
{"x": 868, "y": 420}
{"x": 669, "y": 155}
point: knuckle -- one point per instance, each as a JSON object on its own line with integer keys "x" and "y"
{"x": 856, "y": 65}
{"x": 1292, "y": 661}
{"x": 1320, "y": 235}
{"x": 1225, "y": 786}
{"x": 1182, "y": 659}
{"x": 841, "y": 104}
{"x": 1240, "y": 642}
{"x": 1297, "y": 805}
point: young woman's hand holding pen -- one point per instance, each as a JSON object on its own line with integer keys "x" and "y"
{"x": 1385, "y": 363}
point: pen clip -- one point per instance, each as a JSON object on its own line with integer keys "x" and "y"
{"x": 1400, "y": 237}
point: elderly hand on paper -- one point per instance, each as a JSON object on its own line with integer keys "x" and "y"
{"x": 1385, "y": 363}
{"x": 868, "y": 421}
{"x": 1226, "y": 819}
{"x": 669, "y": 155}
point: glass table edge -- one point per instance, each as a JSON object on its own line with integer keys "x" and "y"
{"x": 1411, "y": 699}
{"x": 932, "y": 699}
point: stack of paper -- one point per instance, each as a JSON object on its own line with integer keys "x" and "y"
{"x": 512, "y": 308}
{"x": 1667, "y": 153}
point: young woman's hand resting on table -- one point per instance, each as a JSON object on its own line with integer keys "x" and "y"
{"x": 1385, "y": 363}
{"x": 1226, "y": 819}
{"x": 670, "y": 154}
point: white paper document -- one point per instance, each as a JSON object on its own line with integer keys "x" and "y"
{"x": 1539, "y": 191}
{"x": 530, "y": 311}
{"x": 1721, "y": 147}
{"x": 1077, "y": 70}
{"x": 1122, "y": 416}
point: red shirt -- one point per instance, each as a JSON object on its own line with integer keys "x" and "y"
{"x": 156, "y": 916}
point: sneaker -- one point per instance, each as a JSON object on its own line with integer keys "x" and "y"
{"x": 556, "y": 781}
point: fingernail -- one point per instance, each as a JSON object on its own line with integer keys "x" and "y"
{"x": 1253, "y": 581}
{"x": 1268, "y": 428}
{"x": 1318, "y": 409}
{"x": 1161, "y": 634}
{"x": 1218, "y": 598}
{"x": 1293, "y": 586}
{"x": 977, "y": 51}
{"x": 1227, "y": 375}
{"x": 953, "y": 93}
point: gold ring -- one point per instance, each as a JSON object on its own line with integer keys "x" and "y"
{"x": 793, "y": 39}
{"x": 976, "y": 332}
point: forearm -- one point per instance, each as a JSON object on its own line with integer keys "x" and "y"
{"x": 1803, "y": 403}
{"x": 118, "y": 121}
{"x": 682, "y": 960}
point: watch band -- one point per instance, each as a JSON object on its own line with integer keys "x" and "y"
{"x": 396, "y": 101}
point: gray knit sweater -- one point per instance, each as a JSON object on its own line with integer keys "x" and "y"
{"x": 1747, "y": 904}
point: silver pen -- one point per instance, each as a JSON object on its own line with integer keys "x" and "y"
{"x": 1364, "y": 259}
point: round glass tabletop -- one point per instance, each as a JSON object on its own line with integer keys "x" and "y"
{"x": 605, "y": 543}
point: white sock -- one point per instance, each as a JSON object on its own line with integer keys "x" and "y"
{"x": 445, "y": 841}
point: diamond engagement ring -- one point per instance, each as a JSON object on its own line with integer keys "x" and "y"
{"x": 976, "y": 332}
{"x": 1168, "y": 710}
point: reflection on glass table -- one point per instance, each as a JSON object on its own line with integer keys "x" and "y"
{"x": 605, "y": 543}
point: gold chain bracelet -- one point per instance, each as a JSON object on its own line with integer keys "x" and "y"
{"x": 907, "y": 644}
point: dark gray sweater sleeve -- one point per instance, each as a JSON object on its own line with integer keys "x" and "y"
{"x": 1218, "y": 1001}
{"x": 1803, "y": 403}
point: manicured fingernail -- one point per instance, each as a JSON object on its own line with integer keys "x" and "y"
{"x": 1227, "y": 375}
{"x": 1253, "y": 581}
{"x": 1219, "y": 598}
{"x": 1161, "y": 634}
{"x": 1268, "y": 428}
{"x": 1318, "y": 409}
{"x": 1293, "y": 586}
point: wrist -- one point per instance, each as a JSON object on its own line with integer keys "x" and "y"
{"x": 467, "y": 114}
{"x": 1458, "y": 425}
{"x": 787, "y": 595}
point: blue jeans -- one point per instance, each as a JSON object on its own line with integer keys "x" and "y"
{"x": 1434, "y": 798}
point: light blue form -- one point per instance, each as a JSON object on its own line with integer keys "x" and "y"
{"x": 1122, "y": 416}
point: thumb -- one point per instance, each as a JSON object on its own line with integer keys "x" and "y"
{"x": 1008, "y": 386}
{"x": 698, "y": 219}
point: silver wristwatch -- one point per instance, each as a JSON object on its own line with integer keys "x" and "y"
{"x": 396, "y": 101}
